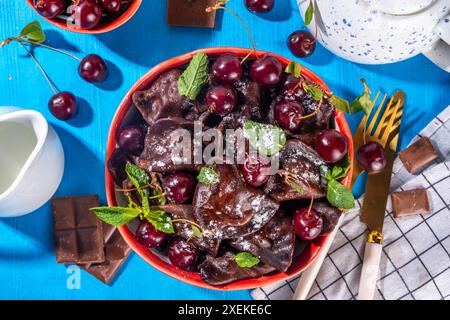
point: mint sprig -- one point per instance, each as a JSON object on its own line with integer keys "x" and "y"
{"x": 339, "y": 195}
{"x": 294, "y": 68}
{"x": 194, "y": 77}
{"x": 246, "y": 260}
{"x": 119, "y": 216}
{"x": 268, "y": 139}
{"x": 208, "y": 176}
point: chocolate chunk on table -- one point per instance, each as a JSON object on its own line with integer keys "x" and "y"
{"x": 116, "y": 253}
{"x": 418, "y": 155}
{"x": 78, "y": 232}
{"x": 191, "y": 13}
{"x": 411, "y": 202}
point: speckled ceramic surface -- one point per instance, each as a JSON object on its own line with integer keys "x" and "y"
{"x": 384, "y": 31}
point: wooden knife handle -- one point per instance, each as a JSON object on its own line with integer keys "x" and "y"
{"x": 369, "y": 272}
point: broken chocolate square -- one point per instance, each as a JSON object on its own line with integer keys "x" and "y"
{"x": 191, "y": 13}
{"x": 418, "y": 155}
{"x": 411, "y": 202}
{"x": 78, "y": 232}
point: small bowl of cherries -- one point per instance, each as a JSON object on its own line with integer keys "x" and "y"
{"x": 86, "y": 16}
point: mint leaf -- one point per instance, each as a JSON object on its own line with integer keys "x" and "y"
{"x": 140, "y": 179}
{"x": 33, "y": 32}
{"x": 208, "y": 176}
{"x": 339, "y": 196}
{"x": 309, "y": 13}
{"x": 315, "y": 91}
{"x": 246, "y": 260}
{"x": 194, "y": 77}
{"x": 197, "y": 232}
{"x": 294, "y": 68}
{"x": 340, "y": 170}
{"x": 364, "y": 102}
{"x": 340, "y": 104}
{"x": 268, "y": 139}
{"x": 116, "y": 216}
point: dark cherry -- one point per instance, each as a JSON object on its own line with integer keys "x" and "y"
{"x": 255, "y": 170}
{"x": 180, "y": 187}
{"x": 63, "y": 105}
{"x": 259, "y": 6}
{"x": 182, "y": 254}
{"x": 227, "y": 69}
{"x": 221, "y": 99}
{"x": 267, "y": 71}
{"x": 93, "y": 69}
{"x": 307, "y": 225}
{"x": 50, "y": 8}
{"x": 292, "y": 88}
{"x": 331, "y": 145}
{"x": 86, "y": 14}
{"x": 111, "y": 6}
{"x": 301, "y": 43}
{"x": 149, "y": 236}
{"x": 371, "y": 157}
{"x": 131, "y": 139}
{"x": 288, "y": 113}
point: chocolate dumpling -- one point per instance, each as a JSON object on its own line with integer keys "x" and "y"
{"x": 162, "y": 100}
{"x": 274, "y": 244}
{"x": 184, "y": 229}
{"x": 303, "y": 162}
{"x": 162, "y": 138}
{"x": 223, "y": 270}
{"x": 330, "y": 215}
{"x": 231, "y": 208}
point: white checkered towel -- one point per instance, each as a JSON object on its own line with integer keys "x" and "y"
{"x": 415, "y": 263}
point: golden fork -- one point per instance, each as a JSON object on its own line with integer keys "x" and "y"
{"x": 388, "y": 124}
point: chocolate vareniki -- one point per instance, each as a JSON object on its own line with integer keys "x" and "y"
{"x": 230, "y": 221}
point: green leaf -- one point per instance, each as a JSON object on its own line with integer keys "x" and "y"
{"x": 294, "y": 185}
{"x": 208, "y": 176}
{"x": 309, "y": 13}
{"x": 339, "y": 196}
{"x": 294, "y": 68}
{"x": 194, "y": 77}
{"x": 116, "y": 216}
{"x": 268, "y": 139}
{"x": 158, "y": 198}
{"x": 315, "y": 91}
{"x": 364, "y": 102}
{"x": 246, "y": 260}
{"x": 140, "y": 179}
{"x": 340, "y": 170}
{"x": 340, "y": 104}
{"x": 160, "y": 220}
{"x": 33, "y": 32}
{"x": 197, "y": 232}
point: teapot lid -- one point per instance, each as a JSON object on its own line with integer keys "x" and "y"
{"x": 400, "y": 7}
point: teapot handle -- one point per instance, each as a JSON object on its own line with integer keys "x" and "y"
{"x": 440, "y": 51}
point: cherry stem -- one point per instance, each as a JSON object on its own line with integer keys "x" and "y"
{"x": 50, "y": 82}
{"x": 220, "y": 5}
{"x": 48, "y": 47}
{"x": 141, "y": 188}
{"x": 312, "y": 113}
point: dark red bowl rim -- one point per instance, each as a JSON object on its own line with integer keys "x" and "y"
{"x": 299, "y": 264}
{"x": 127, "y": 15}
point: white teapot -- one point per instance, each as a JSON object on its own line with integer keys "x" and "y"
{"x": 383, "y": 31}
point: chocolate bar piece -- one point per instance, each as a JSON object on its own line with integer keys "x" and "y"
{"x": 78, "y": 232}
{"x": 191, "y": 13}
{"x": 411, "y": 202}
{"x": 418, "y": 155}
{"x": 116, "y": 253}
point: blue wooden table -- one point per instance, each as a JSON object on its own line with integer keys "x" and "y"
{"x": 27, "y": 262}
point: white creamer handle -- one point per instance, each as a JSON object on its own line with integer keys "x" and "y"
{"x": 440, "y": 52}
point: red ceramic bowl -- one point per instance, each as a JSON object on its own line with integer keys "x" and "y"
{"x": 127, "y": 15}
{"x": 299, "y": 263}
